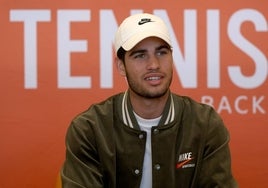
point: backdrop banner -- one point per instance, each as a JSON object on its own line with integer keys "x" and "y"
{"x": 57, "y": 59}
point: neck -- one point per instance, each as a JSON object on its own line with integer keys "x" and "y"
{"x": 148, "y": 108}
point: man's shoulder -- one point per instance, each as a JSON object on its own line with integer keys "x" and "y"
{"x": 98, "y": 114}
{"x": 188, "y": 101}
{"x": 192, "y": 108}
{"x": 103, "y": 108}
{"x": 198, "y": 115}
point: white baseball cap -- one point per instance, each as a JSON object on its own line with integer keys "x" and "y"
{"x": 137, "y": 27}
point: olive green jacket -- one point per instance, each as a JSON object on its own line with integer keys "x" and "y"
{"x": 105, "y": 147}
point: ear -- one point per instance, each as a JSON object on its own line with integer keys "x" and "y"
{"x": 120, "y": 66}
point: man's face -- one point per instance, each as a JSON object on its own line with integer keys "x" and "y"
{"x": 148, "y": 68}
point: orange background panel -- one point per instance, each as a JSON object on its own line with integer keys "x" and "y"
{"x": 33, "y": 122}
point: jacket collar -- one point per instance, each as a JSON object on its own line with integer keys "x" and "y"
{"x": 129, "y": 117}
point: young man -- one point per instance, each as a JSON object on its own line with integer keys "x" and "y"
{"x": 147, "y": 136}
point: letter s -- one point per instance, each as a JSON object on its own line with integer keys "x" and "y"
{"x": 260, "y": 23}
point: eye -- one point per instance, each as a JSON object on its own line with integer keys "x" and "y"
{"x": 139, "y": 56}
{"x": 162, "y": 52}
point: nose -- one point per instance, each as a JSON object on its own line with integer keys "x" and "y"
{"x": 153, "y": 63}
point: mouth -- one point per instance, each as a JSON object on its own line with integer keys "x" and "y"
{"x": 153, "y": 78}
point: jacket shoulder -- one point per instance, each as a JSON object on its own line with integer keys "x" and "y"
{"x": 190, "y": 105}
{"x": 197, "y": 113}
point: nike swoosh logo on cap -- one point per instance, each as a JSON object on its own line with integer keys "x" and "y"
{"x": 144, "y": 20}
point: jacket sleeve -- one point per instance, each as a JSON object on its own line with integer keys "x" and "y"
{"x": 216, "y": 164}
{"x": 82, "y": 165}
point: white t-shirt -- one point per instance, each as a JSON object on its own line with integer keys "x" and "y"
{"x": 146, "y": 125}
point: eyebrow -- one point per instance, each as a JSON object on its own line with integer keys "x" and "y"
{"x": 163, "y": 46}
{"x": 143, "y": 50}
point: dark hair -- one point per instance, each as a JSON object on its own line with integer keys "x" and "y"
{"x": 121, "y": 54}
